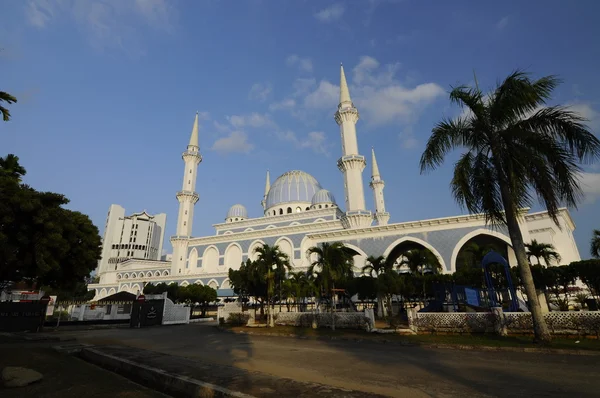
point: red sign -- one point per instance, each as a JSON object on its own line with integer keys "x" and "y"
{"x": 141, "y": 297}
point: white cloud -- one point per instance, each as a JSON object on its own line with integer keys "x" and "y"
{"x": 378, "y": 94}
{"x": 502, "y": 23}
{"x": 252, "y": 120}
{"x": 203, "y": 115}
{"x": 286, "y": 104}
{"x": 586, "y": 111}
{"x": 303, "y": 63}
{"x": 260, "y": 91}
{"x": 326, "y": 95}
{"x": 330, "y": 13}
{"x": 236, "y": 141}
{"x": 315, "y": 141}
{"x": 590, "y": 185}
{"x": 39, "y": 12}
{"x": 107, "y": 24}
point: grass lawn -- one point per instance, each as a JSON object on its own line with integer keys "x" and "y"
{"x": 488, "y": 340}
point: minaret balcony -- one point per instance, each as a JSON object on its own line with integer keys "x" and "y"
{"x": 375, "y": 183}
{"x": 349, "y": 162}
{"x": 189, "y": 195}
{"x": 346, "y": 114}
{"x": 193, "y": 155}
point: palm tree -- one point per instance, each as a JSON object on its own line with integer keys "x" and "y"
{"x": 9, "y": 99}
{"x": 540, "y": 250}
{"x": 333, "y": 263}
{"x": 270, "y": 258}
{"x": 595, "y": 244}
{"x": 515, "y": 147}
{"x": 419, "y": 260}
{"x": 477, "y": 252}
{"x": 10, "y": 167}
{"x": 378, "y": 266}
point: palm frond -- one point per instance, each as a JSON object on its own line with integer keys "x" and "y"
{"x": 447, "y": 135}
{"x": 517, "y": 96}
{"x": 564, "y": 126}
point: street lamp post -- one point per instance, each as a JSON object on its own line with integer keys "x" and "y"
{"x": 269, "y": 295}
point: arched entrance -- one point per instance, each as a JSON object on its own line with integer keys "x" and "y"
{"x": 406, "y": 248}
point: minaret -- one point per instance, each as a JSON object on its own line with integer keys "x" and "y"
{"x": 187, "y": 198}
{"x": 351, "y": 163}
{"x": 267, "y": 188}
{"x": 377, "y": 184}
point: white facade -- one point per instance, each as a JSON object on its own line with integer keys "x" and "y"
{"x": 299, "y": 213}
{"x": 139, "y": 235}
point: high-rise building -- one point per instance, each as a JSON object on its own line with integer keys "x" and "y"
{"x": 138, "y": 236}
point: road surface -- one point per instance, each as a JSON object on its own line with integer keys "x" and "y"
{"x": 380, "y": 368}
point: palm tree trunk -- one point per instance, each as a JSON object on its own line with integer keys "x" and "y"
{"x": 541, "y": 332}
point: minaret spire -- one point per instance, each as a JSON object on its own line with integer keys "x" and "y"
{"x": 194, "y": 135}
{"x": 267, "y": 188}
{"x": 377, "y": 184}
{"x": 351, "y": 163}
{"x": 344, "y": 91}
{"x": 374, "y": 166}
{"x": 187, "y": 198}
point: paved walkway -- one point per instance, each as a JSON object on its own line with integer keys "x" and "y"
{"x": 65, "y": 376}
{"x": 376, "y": 368}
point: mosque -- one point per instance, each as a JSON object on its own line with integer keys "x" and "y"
{"x": 299, "y": 213}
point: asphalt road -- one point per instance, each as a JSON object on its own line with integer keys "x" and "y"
{"x": 387, "y": 369}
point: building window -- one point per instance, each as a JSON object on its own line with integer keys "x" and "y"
{"x": 308, "y": 208}
{"x": 280, "y": 211}
{"x": 184, "y": 223}
{"x": 289, "y": 210}
{"x": 320, "y": 207}
{"x": 186, "y": 212}
{"x": 298, "y": 209}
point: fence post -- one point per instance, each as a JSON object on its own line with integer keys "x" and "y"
{"x": 499, "y": 321}
{"x": 412, "y": 319}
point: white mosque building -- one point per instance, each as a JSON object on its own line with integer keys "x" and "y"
{"x": 299, "y": 213}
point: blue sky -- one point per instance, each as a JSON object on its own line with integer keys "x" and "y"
{"x": 108, "y": 91}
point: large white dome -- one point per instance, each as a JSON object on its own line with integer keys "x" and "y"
{"x": 293, "y": 186}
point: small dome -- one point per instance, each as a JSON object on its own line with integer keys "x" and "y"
{"x": 238, "y": 211}
{"x": 293, "y": 186}
{"x": 322, "y": 196}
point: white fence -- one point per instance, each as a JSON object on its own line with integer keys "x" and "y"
{"x": 559, "y": 322}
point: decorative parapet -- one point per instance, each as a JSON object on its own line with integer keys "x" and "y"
{"x": 559, "y": 322}
{"x": 187, "y": 194}
{"x": 350, "y": 162}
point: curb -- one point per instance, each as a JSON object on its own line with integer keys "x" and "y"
{"x": 532, "y": 350}
{"x": 35, "y": 338}
{"x": 158, "y": 379}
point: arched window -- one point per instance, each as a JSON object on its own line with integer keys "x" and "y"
{"x": 274, "y": 212}
{"x": 308, "y": 208}
{"x": 320, "y": 207}
{"x": 280, "y": 211}
{"x": 289, "y": 210}
{"x": 298, "y": 209}
{"x": 326, "y": 206}
{"x": 236, "y": 219}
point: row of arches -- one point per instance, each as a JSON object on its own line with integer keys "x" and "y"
{"x": 271, "y": 226}
{"x": 462, "y": 253}
{"x": 143, "y": 274}
{"x": 139, "y": 287}
{"x": 233, "y": 255}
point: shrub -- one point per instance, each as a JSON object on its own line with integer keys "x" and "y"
{"x": 238, "y": 319}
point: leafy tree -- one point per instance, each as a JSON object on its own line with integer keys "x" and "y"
{"x": 10, "y": 168}
{"x": 378, "y": 266}
{"x": 197, "y": 293}
{"x": 543, "y": 251}
{"x": 515, "y": 148}
{"x": 272, "y": 264}
{"x": 41, "y": 243}
{"x": 9, "y": 99}
{"x": 172, "y": 290}
{"x": 595, "y": 244}
{"x": 333, "y": 263}
{"x": 589, "y": 273}
{"x": 419, "y": 261}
